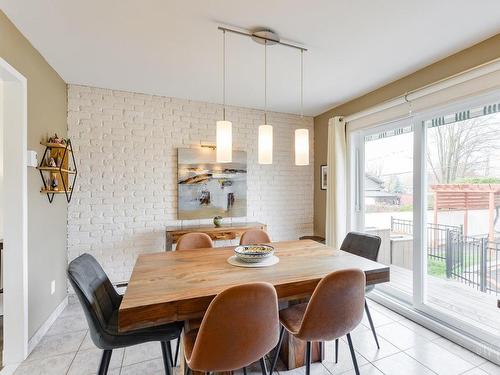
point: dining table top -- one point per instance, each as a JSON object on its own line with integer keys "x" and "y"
{"x": 179, "y": 285}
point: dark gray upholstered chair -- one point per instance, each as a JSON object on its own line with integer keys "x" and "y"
{"x": 366, "y": 246}
{"x": 100, "y": 303}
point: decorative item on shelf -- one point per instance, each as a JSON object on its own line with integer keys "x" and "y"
{"x": 56, "y": 140}
{"x": 58, "y": 168}
{"x": 218, "y": 221}
{"x": 54, "y": 184}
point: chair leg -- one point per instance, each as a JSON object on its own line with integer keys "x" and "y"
{"x": 104, "y": 365}
{"x": 177, "y": 347}
{"x": 263, "y": 366}
{"x": 187, "y": 370}
{"x": 167, "y": 357}
{"x": 371, "y": 324}
{"x": 336, "y": 350}
{"x": 308, "y": 358}
{"x": 244, "y": 371}
{"x": 278, "y": 348}
{"x": 353, "y": 354}
{"x": 170, "y": 356}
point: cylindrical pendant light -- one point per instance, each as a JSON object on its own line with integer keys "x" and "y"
{"x": 265, "y": 145}
{"x": 301, "y": 147}
{"x": 224, "y": 129}
{"x": 302, "y": 135}
{"x": 224, "y": 139}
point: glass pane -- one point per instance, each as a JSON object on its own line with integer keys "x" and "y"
{"x": 388, "y": 200}
{"x": 463, "y": 243}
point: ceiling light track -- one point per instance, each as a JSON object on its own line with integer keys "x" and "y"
{"x": 263, "y": 36}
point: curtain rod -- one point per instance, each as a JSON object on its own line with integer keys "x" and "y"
{"x": 454, "y": 79}
{"x": 261, "y": 37}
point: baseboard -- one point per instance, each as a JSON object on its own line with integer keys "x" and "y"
{"x": 474, "y": 345}
{"x": 9, "y": 369}
{"x": 35, "y": 339}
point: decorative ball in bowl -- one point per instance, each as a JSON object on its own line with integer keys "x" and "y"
{"x": 253, "y": 253}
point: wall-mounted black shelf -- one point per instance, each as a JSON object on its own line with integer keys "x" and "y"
{"x": 66, "y": 170}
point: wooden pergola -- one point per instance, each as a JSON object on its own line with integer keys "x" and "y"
{"x": 465, "y": 197}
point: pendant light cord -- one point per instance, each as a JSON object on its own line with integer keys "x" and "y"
{"x": 224, "y": 75}
{"x": 265, "y": 82}
{"x": 301, "y": 83}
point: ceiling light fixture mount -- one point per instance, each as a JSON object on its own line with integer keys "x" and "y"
{"x": 262, "y": 35}
{"x": 265, "y": 36}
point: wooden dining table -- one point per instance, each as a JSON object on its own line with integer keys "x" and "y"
{"x": 179, "y": 286}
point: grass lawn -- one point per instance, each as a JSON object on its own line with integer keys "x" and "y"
{"x": 436, "y": 268}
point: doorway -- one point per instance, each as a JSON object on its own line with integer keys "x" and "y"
{"x": 14, "y": 262}
{"x": 430, "y": 188}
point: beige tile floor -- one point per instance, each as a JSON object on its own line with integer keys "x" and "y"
{"x": 406, "y": 348}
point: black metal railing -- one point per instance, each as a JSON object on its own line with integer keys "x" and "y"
{"x": 472, "y": 260}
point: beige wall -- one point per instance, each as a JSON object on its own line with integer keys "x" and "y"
{"x": 46, "y": 222}
{"x": 466, "y": 59}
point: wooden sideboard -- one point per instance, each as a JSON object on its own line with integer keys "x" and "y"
{"x": 224, "y": 232}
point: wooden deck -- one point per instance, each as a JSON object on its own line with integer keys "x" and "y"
{"x": 453, "y": 298}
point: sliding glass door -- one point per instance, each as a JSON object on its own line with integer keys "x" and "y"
{"x": 387, "y": 199}
{"x": 429, "y": 186}
{"x": 462, "y": 220}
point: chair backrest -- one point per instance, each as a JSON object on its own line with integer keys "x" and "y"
{"x": 362, "y": 244}
{"x": 240, "y": 326}
{"x": 190, "y": 241}
{"x": 97, "y": 295}
{"x": 336, "y": 306}
{"x": 254, "y": 237}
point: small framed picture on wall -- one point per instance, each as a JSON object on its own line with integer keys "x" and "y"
{"x": 324, "y": 175}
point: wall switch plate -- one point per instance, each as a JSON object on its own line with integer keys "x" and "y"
{"x": 32, "y": 159}
{"x": 52, "y": 287}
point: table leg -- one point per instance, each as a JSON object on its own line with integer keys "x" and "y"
{"x": 168, "y": 241}
{"x": 293, "y": 352}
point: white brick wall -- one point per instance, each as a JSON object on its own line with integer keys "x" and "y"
{"x": 125, "y": 146}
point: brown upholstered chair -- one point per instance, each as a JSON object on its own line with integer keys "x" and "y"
{"x": 194, "y": 240}
{"x": 334, "y": 310}
{"x": 190, "y": 241}
{"x": 254, "y": 236}
{"x": 366, "y": 246}
{"x": 239, "y": 328}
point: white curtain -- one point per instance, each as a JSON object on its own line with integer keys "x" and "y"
{"x": 336, "y": 191}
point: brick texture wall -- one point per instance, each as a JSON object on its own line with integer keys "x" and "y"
{"x": 126, "y": 149}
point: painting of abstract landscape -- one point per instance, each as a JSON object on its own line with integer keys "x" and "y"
{"x": 206, "y": 188}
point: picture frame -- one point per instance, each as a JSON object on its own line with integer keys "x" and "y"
{"x": 207, "y": 189}
{"x": 323, "y": 177}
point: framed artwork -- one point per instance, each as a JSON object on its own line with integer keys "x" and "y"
{"x": 207, "y": 188}
{"x": 324, "y": 175}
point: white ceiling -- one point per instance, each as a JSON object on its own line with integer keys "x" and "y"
{"x": 173, "y": 48}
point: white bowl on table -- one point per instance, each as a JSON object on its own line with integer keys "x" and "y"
{"x": 253, "y": 253}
